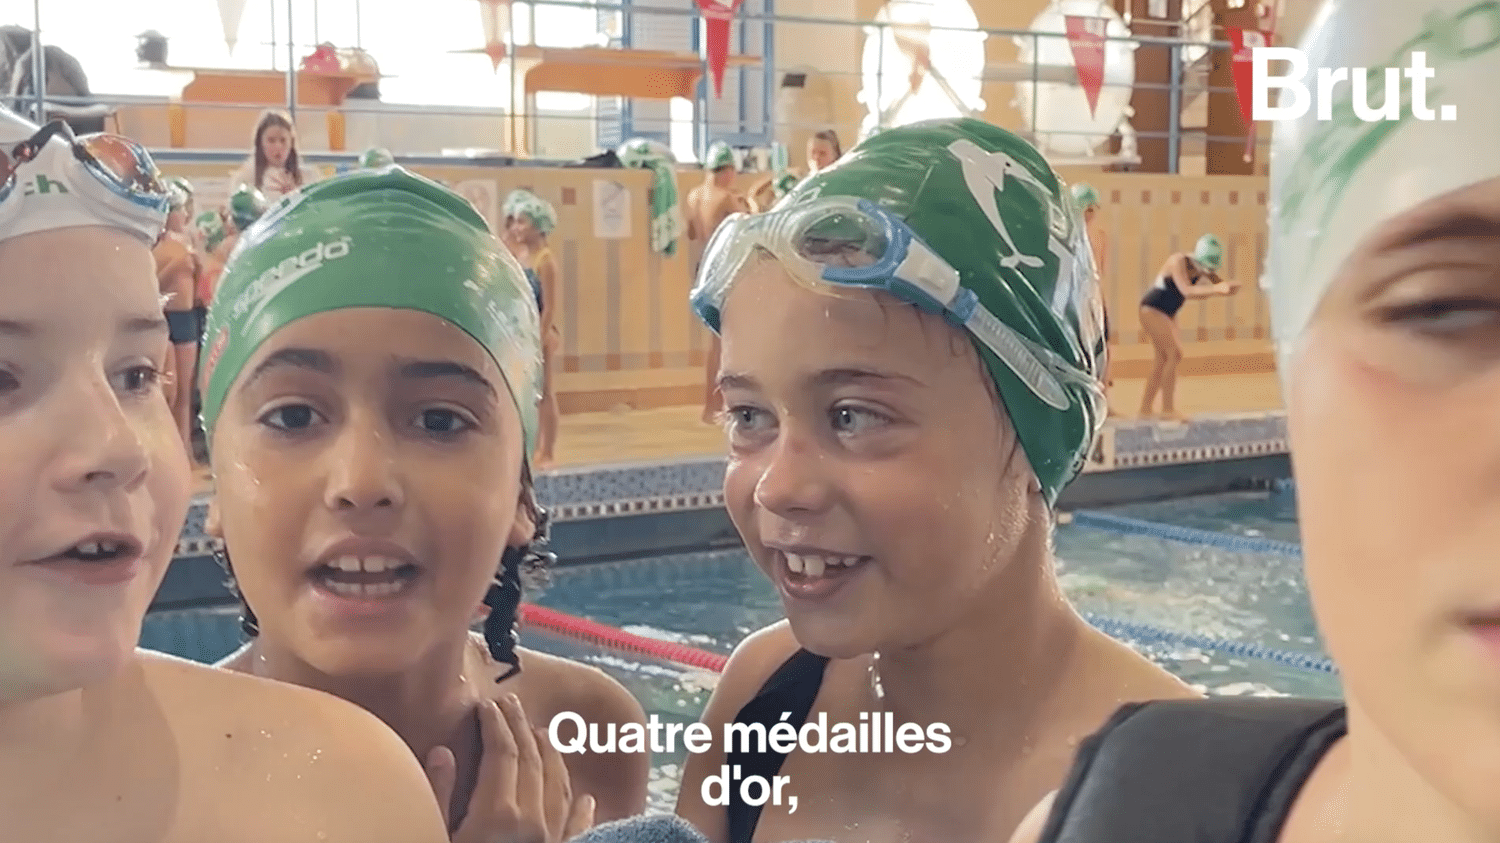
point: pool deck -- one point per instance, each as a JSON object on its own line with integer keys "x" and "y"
{"x": 664, "y": 460}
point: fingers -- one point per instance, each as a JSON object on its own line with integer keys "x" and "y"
{"x": 530, "y": 787}
{"x": 442, "y": 773}
{"x": 580, "y": 818}
{"x": 494, "y": 800}
{"x": 558, "y": 785}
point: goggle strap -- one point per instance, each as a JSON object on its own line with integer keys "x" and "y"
{"x": 1022, "y": 357}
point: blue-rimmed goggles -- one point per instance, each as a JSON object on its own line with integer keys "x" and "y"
{"x": 114, "y": 177}
{"x": 854, "y": 242}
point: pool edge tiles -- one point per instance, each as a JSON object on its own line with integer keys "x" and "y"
{"x": 696, "y": 483}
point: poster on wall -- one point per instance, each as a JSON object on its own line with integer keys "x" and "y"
{"x": 611, "y": 210}
{"x": 482, "y": 194}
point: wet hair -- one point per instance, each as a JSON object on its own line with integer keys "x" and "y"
{"x": 830, "y": 137}
{"x": 276, "y": 119}
{"x": 519, "y": 567}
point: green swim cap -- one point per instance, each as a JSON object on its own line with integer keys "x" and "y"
{"x": 525, "y": 203}
{"x": 988, "y": 203}
{"x": 373, "y": 238}
{"x": 1209, "y": 252}
{"x": 376, "y": 157}
{"x": 246, "y": 205}
{"x": 784, "y": 184}
{"x": 211, "y": 227}
{"x": 719, "y": 155}
{"x": 1085, "y": 196}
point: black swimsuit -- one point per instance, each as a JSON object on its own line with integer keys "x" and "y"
{"x": 1164, "y": 295}
{"x": 793, "y": 689}
{"x": 1221, "y": 770}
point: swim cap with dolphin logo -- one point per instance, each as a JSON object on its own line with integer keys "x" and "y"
{"x": 966, "y": 220}
{"x": 373, "y": 238}
{"x": 246, "y": 205}
{"x": 1334, "y": 181}
{"x": 524, "y": 203}
{"x": 1209, "y": 253}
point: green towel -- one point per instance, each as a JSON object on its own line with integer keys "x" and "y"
{"x": 666, "y": 219}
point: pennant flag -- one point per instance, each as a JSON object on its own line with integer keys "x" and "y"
{"x": 1245, "y": 42}
{"x": 1086, "y": 38}
{"x": 230, "y": 14}
{"x": 717, "y": 15}
{"x": 494, "y": 17}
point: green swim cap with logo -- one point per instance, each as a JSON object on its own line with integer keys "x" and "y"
{"x": 210, "y": 226}
{"x": 373, "y": 238}
{"x": 988, "y": 203}
{"x": 246, "y": 205}
{"x": 1209, "y": 253}
{"x": 719, "y": 155}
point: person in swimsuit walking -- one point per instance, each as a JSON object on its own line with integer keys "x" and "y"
{"x": 1385, "y": 311}
{"x": 529, "y": 220}
{"x": 894, "y": 477}
{"x": 1182, "y": 277}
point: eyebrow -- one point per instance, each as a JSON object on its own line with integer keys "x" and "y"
{"x": 321, "y": 362}
{"x": 23, "y": 329}
{"x": 1452, "y": 224}
{"x": 438, "y": 369}
{"x": 843, "y": 376}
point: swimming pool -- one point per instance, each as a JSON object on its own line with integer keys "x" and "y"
{"x": 1236, "y": 580}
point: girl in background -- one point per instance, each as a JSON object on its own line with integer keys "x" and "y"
{"x": 1183, "y": 276}
{"x": 275, "y": 167}
{"x": 528, "y": 221}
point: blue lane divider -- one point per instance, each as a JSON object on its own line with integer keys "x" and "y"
{"x": 1185, "y": 535}
{"x": 1149, "y": 634}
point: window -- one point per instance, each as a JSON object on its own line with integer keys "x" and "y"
{"x": 945, "y": 30}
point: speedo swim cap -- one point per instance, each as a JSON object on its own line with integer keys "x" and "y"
{"x": 988, "y": 204}
{"x": 1334, "y": 180}
{"x": 373, "y": 238}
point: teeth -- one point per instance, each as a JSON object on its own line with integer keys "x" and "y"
{"x": 368, "y": 564}
{"x": 815, "y": 566}
{"x": 363, "y": 590}
{"x": 97, "y": 548}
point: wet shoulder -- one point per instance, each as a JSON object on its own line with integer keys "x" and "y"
{"x": 302, "y": 763}
{"x": 556, "y": 685}
{"x": 753, "y": 662}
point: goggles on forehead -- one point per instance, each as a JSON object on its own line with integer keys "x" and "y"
{"x": 97, "y": 179}
{"x": 855, "y": 243}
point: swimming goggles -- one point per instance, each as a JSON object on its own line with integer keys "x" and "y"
{"x": 854, "y": 242}
{"x": 59, "y": 180}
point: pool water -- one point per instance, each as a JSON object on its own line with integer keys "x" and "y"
{"x": 712, "y": 600}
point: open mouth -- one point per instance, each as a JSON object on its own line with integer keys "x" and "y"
{"x": 365, "y": 577}
{"x": 809, "y": 567}
{"x": 102, "y": 550}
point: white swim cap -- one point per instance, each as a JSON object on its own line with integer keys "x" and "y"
{"x": 59, "y": 182}
{"x": 1333, "y": 181}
